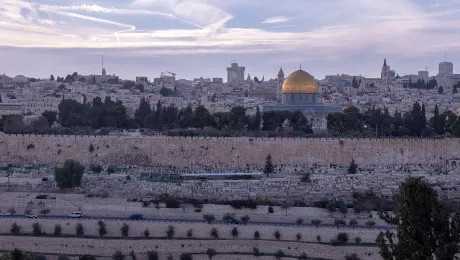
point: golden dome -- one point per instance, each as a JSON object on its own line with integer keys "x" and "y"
{"x": 300, "y": 82}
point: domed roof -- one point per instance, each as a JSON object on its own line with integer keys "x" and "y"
{"x": 300, "y": 82}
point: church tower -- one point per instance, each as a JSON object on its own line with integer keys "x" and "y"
{"x": 280, "y": 83}
{"x": 386, "y": 73}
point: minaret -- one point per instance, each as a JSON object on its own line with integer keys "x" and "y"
{"x": 280, "y": 83}
{"x": 103, "y": 70}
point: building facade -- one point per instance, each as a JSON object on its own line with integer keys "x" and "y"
{"x": 235, "y": 73}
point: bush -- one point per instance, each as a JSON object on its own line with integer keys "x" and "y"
{"x": 277, "y": 235}
{"x": 211, "y": 252}
{"x": 146, "y": 233}
{"x": 190, "y": 233}
{"x": 39, "y": 257}
{"x": 214, "y": 233}
{"x": 111, "y": 169}
{"x": 124, "y": 230}
{"x": 353, "y": 256}
{"x": 318, "y": 238}
{"x": 335, "y": 242}
{"x": 357, "y": 240}
{"x": 44, "y": 212}
{"x": 133, "y": 255}
{"x": 102, "y": 230}
{"x": 255, "y": 251}
{"x": 91, "y": 148}
{"x": 15, "y": 229}
{"x": 79, "y": 230}
{"x": 186, "y": 256}
{"x": 339, "y": 222}
{"x": 235, "y": 232}
{"x": 209, "y": 218}
{"x": 152, "y": 255}
{"x": 279, "y": 254}
{"x": 270, "y": 210}
{"x": 342, "y": 238}
{"x": 170, "y": 232}
{"x": 298, "y": 236}
{"x": 353, "y": 222}
{"x": 256, "y": 235}
{"x": 316, "y": 222}
{"x": 63, "y": 257}
{"x": 96, "y": 168}
{"x": 41, "y": 197}
{"x": 299, "y": 221}
{"x": 36, "y": 229}
{"x": 87, "y": 257}
{"x": 118, "y": 255}
{"x": 303, "y": 256}
{"x": 228, "y": 216}
{"x": 30, "y": 146}
{"x": 57, "y": 230}
{"x": 170, "y": 257}
{"x": 11, "y": 210}
{"x": 370, "y": 223}
{"x": 245, "y": 219}
{"x": 44, "y": 179}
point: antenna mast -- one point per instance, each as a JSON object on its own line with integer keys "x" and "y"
{"x": 102, "y": 61}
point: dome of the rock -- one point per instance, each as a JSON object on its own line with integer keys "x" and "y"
{"x": 300, "y": 82}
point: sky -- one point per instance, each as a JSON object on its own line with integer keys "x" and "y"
{"x": 200, "y": 38}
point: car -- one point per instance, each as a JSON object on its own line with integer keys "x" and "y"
{"x": 5, "y": 214}
{"x": 136, "y": 217}
{"x": 235, "y": 221}
{"x": 30, "y": 215}
{"x": 76, "y": 215}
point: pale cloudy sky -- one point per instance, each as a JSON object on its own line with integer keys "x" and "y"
{"x": 202, "y": 37}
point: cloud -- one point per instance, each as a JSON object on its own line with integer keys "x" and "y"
{"x": 277, "y": 19}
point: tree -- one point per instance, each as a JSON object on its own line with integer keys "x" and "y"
{"x": 50, "y": 116}
{"x": 339, "y": 222}
{"x": 255, "y": 251}
{"x": 269, "y": 168}
{"x": 279, "y": 254}
{"x": 146, "y": 233}
{"x": 353, "y": 168}
{"x": 298, "y": 236}
{"x": 11, "y": 210}
{"x": 79, "y": 230}
{"x": 438, "y": 122}
{"x": 44, "y": 212}
{"x": 235, "y": 232}
{"x": 152, "y": 255}
{"x": 211, "y": 252}
{"x": 36, "y": 229}
{"x": 1, "y": 99}
{"x": 370, "y": 223}
{"x": 170, "y": 232}
{"x": 87, "y": 257}
{"x": 15, "y": 229}
{"x": 245, "y": 219}
{"x": 342, "y": 238}
{"x": 102, "y": 230}
{"x": 124, "y": 230}
{"x": 93, "y": 81}
{"x": 141, "y": 113}
{"x": 303, "y": 256}
{"x": 316, "y": 222}
{"x": 209, "y": 218}
{"x": 39, "y": 256}
{"x": 331, "y": 207}
{"x": 440, "y": 90}
{"x": 357, "y": 240}
{"x": 52, "y": 77}
{"x": 353, "y": 222}
{"x": 16, "y": 254}
{"x": 214, "y": 233}
{"x": 118, "y": 255}
{"x": 425, "y": 229}
{"x": 186, "y": 256}
{"x": 256, "y": 235}
{"x": 70, "y": 175}
{"x": 57, "y": 230}
{"x": 190, "y": 233}
{"x": 353, "y": 256}
{"x": 343, "y": 209}
{"x": 277, "y": 235}
{"x": 299, "y": 221}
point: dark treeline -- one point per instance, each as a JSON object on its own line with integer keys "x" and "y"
{"x": 77, "y": 118}
{"x": 421, "y": 84}
{"x": 380, "y": 123}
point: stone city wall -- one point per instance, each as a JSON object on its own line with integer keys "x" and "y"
{"x": 181, "y": 151}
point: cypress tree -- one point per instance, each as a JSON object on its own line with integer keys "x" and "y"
{"x": 425, "y": 229}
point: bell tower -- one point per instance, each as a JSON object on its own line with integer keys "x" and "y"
{"x": 280, "y": 84}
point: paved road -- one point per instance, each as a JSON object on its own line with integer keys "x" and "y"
{"x": 281, "y": 224}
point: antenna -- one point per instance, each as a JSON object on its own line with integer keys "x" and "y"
{"x": 445, "y": 55}
{"x": 102, "y": 61}
{"x": 426, "y": 68}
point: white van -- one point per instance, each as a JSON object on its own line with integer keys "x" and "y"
{"x": 76, "y": 215}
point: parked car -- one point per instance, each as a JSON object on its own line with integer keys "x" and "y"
{"x": 30, "y": 215}
{"x": 5, "y": 214}
{"x": 235, "y": 221}
{"x": 76, "y": 215}
{"x": 136, "y": 217}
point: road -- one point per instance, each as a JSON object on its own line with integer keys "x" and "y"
{"x": 280, "y": 224}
